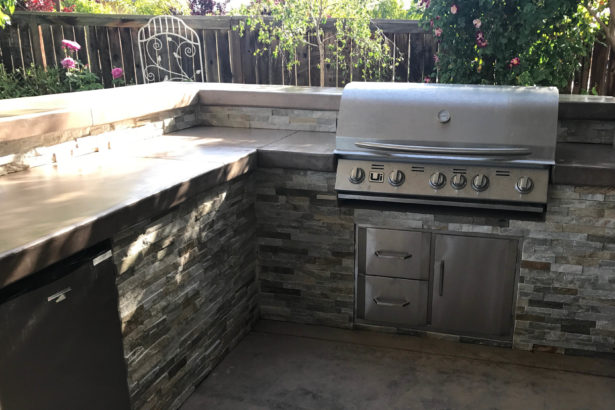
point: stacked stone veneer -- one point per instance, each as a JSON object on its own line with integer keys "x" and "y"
{"x": 187, "y": 287}
{"x": 566, "y": 294}
{"x": 269, "y": 118}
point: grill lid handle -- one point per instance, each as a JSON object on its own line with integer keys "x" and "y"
{"x": 425, "y": 149}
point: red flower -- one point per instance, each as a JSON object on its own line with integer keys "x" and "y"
{"x": 514, "y": 62}
{"x": 427, "y": 80}
{"x": 117, "y": 73}
{"x": 480, "y": 39}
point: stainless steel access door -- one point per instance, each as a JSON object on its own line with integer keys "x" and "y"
{"x": 473, "y": 284}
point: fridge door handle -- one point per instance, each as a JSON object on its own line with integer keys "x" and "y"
{"x": 441, "y": 278}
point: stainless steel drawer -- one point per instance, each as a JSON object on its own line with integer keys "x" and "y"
{"x": 399, "y": 254}
{"x": 395, "y": 301}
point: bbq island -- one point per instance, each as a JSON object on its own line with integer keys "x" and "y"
{"x": 213, "y": 205}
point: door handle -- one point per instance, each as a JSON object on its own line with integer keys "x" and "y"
{"x": 59, "y": 296}
{"x": 392, "y": 255}
{"x": 390, "y": 302}
{"x": 441, "y": 277}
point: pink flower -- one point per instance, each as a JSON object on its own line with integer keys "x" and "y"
{"x": 436, "y": 59}
{"x": 427, "y": 80}
{"x": 117, "y": 73}
{"x": 438, "y": 32}
{"x": 514, "y": 62}
{"x": 477, "y": 23}
{"x": 71, "y": 45}
{"x": 68, "y": 63}
{"x": 454, "y": 9}
{"x": 480, "y": 39}
{"x": 424, "y": 3}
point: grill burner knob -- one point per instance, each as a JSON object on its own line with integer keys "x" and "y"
{"x": 458, "y": 181}
{"x": 396, "y": 177}
{"x": 525, "y": 185}
{"x": 480, "y": 182}
{"x": 437, "y": 180}
{"x": 357, "y": 175}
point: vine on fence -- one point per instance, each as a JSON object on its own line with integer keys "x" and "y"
{"x": 283, "y": 26}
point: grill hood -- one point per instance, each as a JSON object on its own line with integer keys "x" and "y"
{"x": 442, "y": 122}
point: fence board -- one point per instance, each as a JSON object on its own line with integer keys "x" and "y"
{"x": 80, "y": 38}
{"x": 314, "y": 61}
{"x": 211, "y": 56}
{"x": 127, "y": 55}
{"x": 429, "y": 48}
{"x": 610, "y": 89}
{"x": 115, "y": 48}
{"x": 6, "y": 43}
{"x": 26, "y": 46}
{"x": 38, "y": 53}
{"x": 235, "y": 56}
{"x": 262, "y": 64}
{"x": 276, "y": 66}
{"x": 401, "y": 71}
{"x": 103, "y": 54}
{"x": 248, "y": 61}
{"x": 599, "y": 61}
{"x": 134, "y": 39}
{"x": 330, "y": 67}
{"x": 224, "y": 57}
{"x": 303, "y": 69}
{"x": 57, "y": 36}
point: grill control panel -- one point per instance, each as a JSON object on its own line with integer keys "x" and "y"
{"x": 525, "y": 185}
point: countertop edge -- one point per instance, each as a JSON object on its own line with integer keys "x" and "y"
{"x": 34, "y": 256}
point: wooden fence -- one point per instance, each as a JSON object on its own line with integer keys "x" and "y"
{"x": 111, "y": 41}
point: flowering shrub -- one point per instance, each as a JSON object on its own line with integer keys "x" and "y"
{"x": 520, "y": 42}
{"x": 77, "y": 76}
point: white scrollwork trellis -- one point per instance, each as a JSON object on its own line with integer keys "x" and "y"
{"x": 170, "y": 51}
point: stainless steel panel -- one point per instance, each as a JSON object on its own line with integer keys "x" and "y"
{"x": 394, "y": 253}
{"x": 502, "y": 181}
{"x": 524, "y": 117}
{"x": 473, "y": 284}
{"x": 395, "y": 301}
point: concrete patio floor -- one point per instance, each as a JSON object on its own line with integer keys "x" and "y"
{"x": 288, "y": 366}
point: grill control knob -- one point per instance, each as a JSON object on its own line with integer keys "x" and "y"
{"x": 525, "y": 185}
{"x": 357, "y": 175}
{"x": 396, "y": 177}
{"x": 458, "y": 181}
{"x": 480, "y": 182}
{"x": 437, "y": 180}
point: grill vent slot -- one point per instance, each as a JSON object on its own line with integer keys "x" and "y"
{"x": 500, "y": 173}
{"x": 377, "y": 166}
{"x": 459, "y": 171}
{"x": 418, "y": 169}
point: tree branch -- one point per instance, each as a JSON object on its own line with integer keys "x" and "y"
{"x": 607, "y": 30}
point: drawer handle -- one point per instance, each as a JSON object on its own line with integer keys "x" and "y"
{"x": 390, "y": 302}
{"x": 392, "y": 255}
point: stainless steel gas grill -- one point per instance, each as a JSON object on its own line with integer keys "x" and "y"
{"x": 459, "y": 145}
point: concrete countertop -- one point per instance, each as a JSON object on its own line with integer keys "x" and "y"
{"x": 50, "y": 212}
